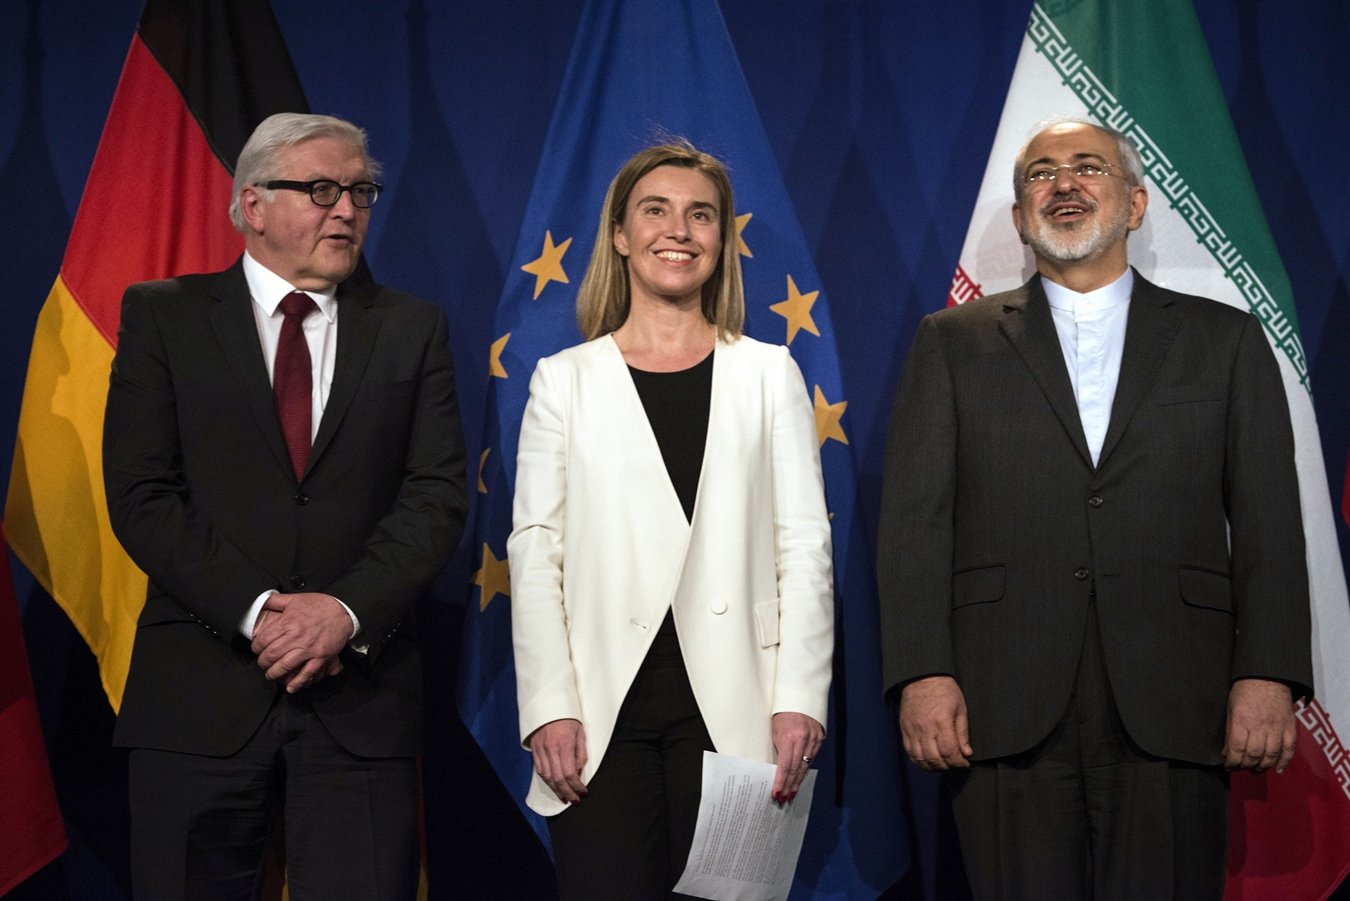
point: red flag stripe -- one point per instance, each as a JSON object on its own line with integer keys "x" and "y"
{"x": 140, "y": 217}
{"x": 30, "y": 820}
{"x": 963, "y": 289}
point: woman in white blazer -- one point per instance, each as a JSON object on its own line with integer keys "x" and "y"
{"x": 670, "y": 556}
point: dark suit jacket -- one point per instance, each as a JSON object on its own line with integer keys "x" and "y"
{"x": 202, "y": 496}
{"x": 996, "y": 526}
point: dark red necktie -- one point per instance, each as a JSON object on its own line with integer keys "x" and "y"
{"x": 293, "y": 380}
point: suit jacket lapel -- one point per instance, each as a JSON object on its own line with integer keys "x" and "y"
{"x": 664, "y": 528}
{"x": 631, "y": 416}
{"x": 1149, "y": 330}
{"x": 723, "y": 360}
{"x": 357, "y": 328}
{"x": 237, "y": 331}
{"x": 728, "y": 419}
{"x": 1030, "y": 329}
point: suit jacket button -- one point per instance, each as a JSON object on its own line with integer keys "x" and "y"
{"x": 297, "y": 582}
{"x": 301, "y": 498}
{"x": 718, "y": 606}
{"x": 1095, "y": 501}
{"x": 1081, "y": 573}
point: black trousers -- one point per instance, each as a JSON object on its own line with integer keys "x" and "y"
{"x": 629, "y": 838}
{"x": 200, "y": 825}
{"x": 1088, "y": 815}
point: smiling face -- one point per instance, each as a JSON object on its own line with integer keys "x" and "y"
{"x": 671, "y": 235}
{"x": 310, "y": 246}
{"x": 1077, "y": 226}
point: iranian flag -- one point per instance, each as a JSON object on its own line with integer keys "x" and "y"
{"x": 1143, "y": 68}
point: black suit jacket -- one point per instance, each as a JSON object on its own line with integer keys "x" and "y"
{"x": 202, "y": 496}
{"x": 996, "y": 526}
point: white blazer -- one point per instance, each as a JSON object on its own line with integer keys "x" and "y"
{"x": 601, "y": 549}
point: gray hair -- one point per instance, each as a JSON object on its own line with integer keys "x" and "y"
{"x": 1130, "y": 160}
{"x": 260, "y": 158}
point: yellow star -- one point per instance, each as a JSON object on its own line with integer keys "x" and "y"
{"x": 797, "y": 310}
{"x": 827, "y": 419}
{"x": 494, "y": 578}
{"x": 495, "y": 367}
{"x": 741, "y": 222}
{"x": 482, "y": 462}
{"x": 547, "y": 267}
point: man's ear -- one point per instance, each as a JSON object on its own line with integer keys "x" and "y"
{"x": 1138, "y": 204}
{"x": 1017, "y": 220}
{"x": 253, "y": 208}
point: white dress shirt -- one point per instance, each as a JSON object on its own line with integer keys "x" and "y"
{"x": 1091, "y": 331}
{"x": 267, "y": 290}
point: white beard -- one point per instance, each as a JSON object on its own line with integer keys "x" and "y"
{"x": 1074, "y": 241}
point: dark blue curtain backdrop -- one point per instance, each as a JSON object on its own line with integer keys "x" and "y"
{"x": 880, "y": 116}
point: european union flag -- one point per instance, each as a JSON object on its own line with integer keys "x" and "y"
{"x": 640, "y": 71}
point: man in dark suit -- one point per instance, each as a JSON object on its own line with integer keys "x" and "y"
{"x": 283, "y": 457}
{"x": 1093, "y": 586}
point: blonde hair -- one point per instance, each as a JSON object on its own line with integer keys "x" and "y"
{"x": 603, "y": 299}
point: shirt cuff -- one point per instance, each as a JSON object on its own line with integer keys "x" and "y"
{"x": 360, "y": 647}
{"x": 250, "y": 620}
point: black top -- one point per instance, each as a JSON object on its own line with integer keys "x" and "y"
{"x": 677, "y": 410}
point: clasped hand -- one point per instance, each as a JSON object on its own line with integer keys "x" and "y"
{"x": 298, "y": 638}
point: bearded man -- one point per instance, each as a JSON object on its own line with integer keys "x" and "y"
{"x": 1093, "y": 588}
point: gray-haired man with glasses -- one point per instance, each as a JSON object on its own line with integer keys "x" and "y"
{"x": 1093, "y": 588}
{"x": 283, "y": 458}
{"x": 326, "y": 193}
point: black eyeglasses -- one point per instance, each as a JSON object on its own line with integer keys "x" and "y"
{"x": 326, "y": 192}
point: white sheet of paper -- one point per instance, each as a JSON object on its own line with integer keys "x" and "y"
{"x": 745, "y": 846}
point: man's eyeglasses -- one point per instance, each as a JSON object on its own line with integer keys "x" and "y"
{"x": 1039, "y": 175}
{"x": 325, "y": 192}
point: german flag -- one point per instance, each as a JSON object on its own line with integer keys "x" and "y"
{"x": 29, "y": 817}
{"x": 200, "y": 75}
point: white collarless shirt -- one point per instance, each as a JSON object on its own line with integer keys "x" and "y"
{"x": 1091, "y": 331}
